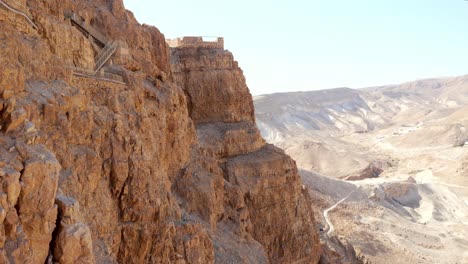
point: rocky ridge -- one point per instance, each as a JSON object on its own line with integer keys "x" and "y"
{"x": 166, "y": 168}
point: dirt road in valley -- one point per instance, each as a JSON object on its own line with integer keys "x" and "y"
{"x": 330, "y": 227}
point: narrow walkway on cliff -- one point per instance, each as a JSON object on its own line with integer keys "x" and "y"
{"x": 103, "y": 56}
{"x": 330, "y": 227}
{"x": 11, "y": 8}
{"x": 16, "y": 10}
{"x": 89, "y": 30}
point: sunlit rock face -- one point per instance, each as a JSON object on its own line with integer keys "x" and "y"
{"x": 165, "y": 167}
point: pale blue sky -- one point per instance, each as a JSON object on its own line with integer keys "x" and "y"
{"x": 294, "y": 45}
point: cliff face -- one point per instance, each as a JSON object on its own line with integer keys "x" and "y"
{"x": 167, "y": 167}
{"x": 263, "y": 200}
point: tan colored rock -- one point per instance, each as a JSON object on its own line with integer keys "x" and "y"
{"x": 15, "y": 119}
{"x": 196, "y": 245}
{"x": 371, "y": 171}
{"x": 278, "y": 208}
{"x": 201, "y": 185}
{"x": 214, "y": 84}
{"x": 145, "y": 167}
{"x": 74, "y": 245}
{"x": 12, "y": 185}
{"x": 73, "y": 241}
{"x": 36, "y": 207}
{"x": 2, "y": 215}
{"x": 264, "y": 200}
{"x": 11, "y": 223}
{"x": 229, "y": 139}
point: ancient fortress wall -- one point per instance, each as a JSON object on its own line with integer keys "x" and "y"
{"x": 195, "y": 42}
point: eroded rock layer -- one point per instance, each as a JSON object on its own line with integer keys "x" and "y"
{"x": 166, "y": 167}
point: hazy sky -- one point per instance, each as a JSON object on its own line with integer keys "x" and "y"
{"x": 293, "y": 45}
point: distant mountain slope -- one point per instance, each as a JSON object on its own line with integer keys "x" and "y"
{"x": 449, "y": 92}
{"x": 344, "y": 110}
{"x": 310, "y": 125}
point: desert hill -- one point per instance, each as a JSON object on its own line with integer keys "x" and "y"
{"x": 390, "y": 163}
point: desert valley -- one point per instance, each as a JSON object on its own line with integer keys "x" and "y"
{"x": 397, "y": 154}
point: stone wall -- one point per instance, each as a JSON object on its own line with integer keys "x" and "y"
{"x": 195, "y": 42}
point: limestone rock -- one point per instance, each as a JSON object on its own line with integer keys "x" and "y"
{"x": 277, "y": 207}
{"x": 229, "y": 139}
{"x": 168, "y": 167}
{"x": 15, "y": 119}
{"x": 371, "y": 171}
{"x": 36, "y": 206}
{"x": 11, "y": 184}
{"x": 27, "y": 197}
{"x": 201, "y": 185}
{"x": 214, "y": 84}
{"x": 73, "y": 243}
{"x": 264, "y": 200}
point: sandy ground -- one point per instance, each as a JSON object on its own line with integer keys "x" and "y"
{"x": 395, "y": 220}
{"x": 330, "y": 228}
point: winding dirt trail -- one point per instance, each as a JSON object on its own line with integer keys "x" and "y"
{"x": 327, "y": 218}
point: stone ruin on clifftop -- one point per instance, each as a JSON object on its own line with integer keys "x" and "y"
{"x": 196, "y": 42}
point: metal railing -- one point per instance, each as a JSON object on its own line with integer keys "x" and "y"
{"x": 17, "y": 11}
{"x": 93, "y": 32}
{"x": 17, "y": 5}
{"x": 104, "y": 55}
{"x": 104, "y": 76}
{"x": 114, "y": 77}
{"x": 109, "y": 46}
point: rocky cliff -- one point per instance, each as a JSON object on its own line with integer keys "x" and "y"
{"x": 166, "y": 166}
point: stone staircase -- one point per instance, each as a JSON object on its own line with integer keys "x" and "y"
{"x": 17, "y": 9}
